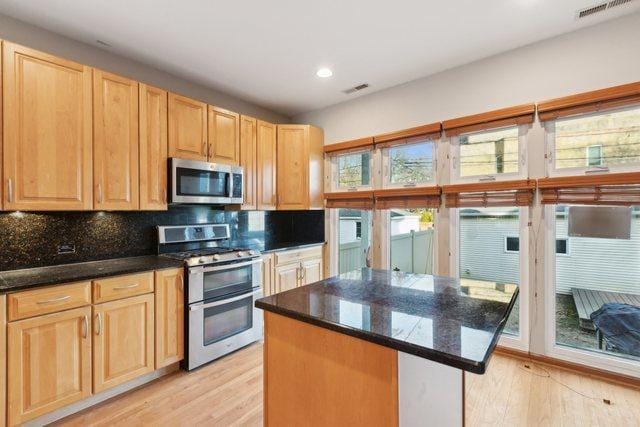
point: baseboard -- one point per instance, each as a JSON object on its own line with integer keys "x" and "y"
{"x": 601, "y": 374}
{"x": 101, "y": 397}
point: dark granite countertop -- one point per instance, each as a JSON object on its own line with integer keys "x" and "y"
{"x": 15, "y": 280}
{"x": 433, "y": 317}
{"x": 289, "y": 246}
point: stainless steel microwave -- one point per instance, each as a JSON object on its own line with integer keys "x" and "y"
{"x": 196, "y": 182}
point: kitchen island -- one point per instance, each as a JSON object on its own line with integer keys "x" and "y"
{"x": 376, "y": 347}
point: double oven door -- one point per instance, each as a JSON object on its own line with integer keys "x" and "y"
{"x": 221, "y": 312}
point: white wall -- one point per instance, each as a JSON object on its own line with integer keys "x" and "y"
{"x": 592, "y": 58}
{"x": 41, "y": 39}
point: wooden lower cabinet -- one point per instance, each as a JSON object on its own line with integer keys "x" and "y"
{"x": 287, "y": 277}
{"x": 169, "y": 304}
{"x": 311, "y": 271}
{"x": 123, "y": 341}
{"x": 267, "y": 275}
{"x": 49, "y": 363}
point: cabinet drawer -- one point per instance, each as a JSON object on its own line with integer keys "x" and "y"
{"x": 48, "y": 300}
{"x": 114, "y": 288}
{"x": 298, "y": 254}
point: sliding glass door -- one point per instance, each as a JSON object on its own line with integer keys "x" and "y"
{"x": 354, "y": 239}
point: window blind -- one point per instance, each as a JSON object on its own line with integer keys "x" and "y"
{"x": 408, "y": 198}
{"x": 493, "y": 194}
{"x": 587, "y": 102}
{"x": 521, "y": 114}
{"x": 353, "y": 145}
{"x": 425, "y": 132}
{"x": 605, "y": 189}
{"x": 350, "y": 200}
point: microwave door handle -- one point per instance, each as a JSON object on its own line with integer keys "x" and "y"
{"x": 201, "y": 306}
{"x": 230, "y": 266}
{"x": 230, "y": 184}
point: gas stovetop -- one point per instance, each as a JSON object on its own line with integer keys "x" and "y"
{"x": 212, "y": 255}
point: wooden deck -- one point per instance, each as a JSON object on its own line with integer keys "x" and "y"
{"x": 587, "y": 301}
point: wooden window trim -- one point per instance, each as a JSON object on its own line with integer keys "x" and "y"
{"x": 407, "y": 198}
{"x": 476, "y": 187}
{"x": 362, "y": 144}
{"x": 627, "y": 178}
{"x": 511, "y": 116}
{"x": 431, "y": 131}
{"x": 350, "y": 200}
{"x": 597, "y": 100}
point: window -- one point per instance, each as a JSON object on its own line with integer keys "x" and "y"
{"x": 411, "y": 235}
{"x": 410, "y": 164}
{"x": 486, "y": 241}
{"x": 512, "y": 244}
{"x": 353, "y": 170}
{"x": 605, "y": 139}
{"x": 596, "y": 291}
{"x": 594, "y": 155}
{"x": 494, "y": 152}
{"x": 354, "y": 238}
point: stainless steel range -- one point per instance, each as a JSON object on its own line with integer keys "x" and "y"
{"x": 222, "y": 286}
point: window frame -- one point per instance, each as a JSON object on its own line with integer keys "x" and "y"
{"x": 334, "y": 170}
{"x": 550, "y": 146}
{"x": 588, "y": 157}
{"x": 522, "y": 340}
{"x": 386, "y": 166}
{"x": 506, "y": 247}
{"x": 551, "y": 348}
{"x": 523, "y": 161}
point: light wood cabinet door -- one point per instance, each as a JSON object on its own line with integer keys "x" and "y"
{"x": 169, "y": 305}
{"x": 266, "y": 166}
{"x": 292, "y": 166}
{"x": 49, "y": 363}
{"x": 123, "y": 341}
{"x": 153, "y": 148}
{"x": 224, "y": 136}
{"x": 248, "y": 160}
{"x": 47, "y": 130}
{"x": 3, "y": 360}
{"x": 268, "y": 287}
{"x": 287, "y": 277}
{"x": 187, "y": 128}
{"x": 116, "y": 142}
{"x": 311, "y": 271}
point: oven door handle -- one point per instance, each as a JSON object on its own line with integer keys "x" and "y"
{"x": 230, "y": 266}
{"x": 200, "y": 306}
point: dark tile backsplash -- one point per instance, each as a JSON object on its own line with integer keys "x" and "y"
{"x": 32, "y": 239}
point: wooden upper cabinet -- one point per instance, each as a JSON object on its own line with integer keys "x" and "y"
{"x": 224, "y": 136}
{"x": 299, "y": 165}
{"x": 169, "y": 304}
{"x": 266, "y": 166}
{"x": 47, "y": 132}
{"x": 153, "y": 148}
{"x": 123, "y": 341}
{"x": 248, "y": 160}
{"x": 49, "y": 363}
{"x": 187, "y": 128}
{"x": 116, "y": 142}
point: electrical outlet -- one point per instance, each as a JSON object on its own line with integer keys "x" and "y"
{"x": 66, "y": 249}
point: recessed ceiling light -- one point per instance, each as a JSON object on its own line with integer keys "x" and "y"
{"x": 324, "y": 73}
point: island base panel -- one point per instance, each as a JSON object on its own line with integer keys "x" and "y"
{"x": 315, "y": 376}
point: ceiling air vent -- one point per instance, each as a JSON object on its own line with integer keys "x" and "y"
{"x": 601, "y": 7}
{"x": 356, "y": 88}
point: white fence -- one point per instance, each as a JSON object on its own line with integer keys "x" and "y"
{"x": 410, "y": 252}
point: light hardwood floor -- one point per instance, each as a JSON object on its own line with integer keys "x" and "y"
{"x": 229, "y": 393}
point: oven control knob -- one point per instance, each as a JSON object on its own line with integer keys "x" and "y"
{"x": 240, "y": 254}
{"x": 216, "y": 257}
{"x": 201, "y": 260}
{"x": 252, "y": 253}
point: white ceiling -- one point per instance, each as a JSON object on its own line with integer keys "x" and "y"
{"x": 268, "y": 51}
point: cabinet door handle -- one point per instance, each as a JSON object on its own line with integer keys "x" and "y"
{"x": 302, "y": 273}
{"x": 85, "y": 326}
{"x": 98, "y": 323}
{"x": 54, "y": 300}
{"x": 99, "y": 196}
{"x": 133, "y": 285}
{"x": 181, "y": 284}
{"x": 164, "y": 195}
{"x": 10, "y": 190}
{"x": 204, "y": 148}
